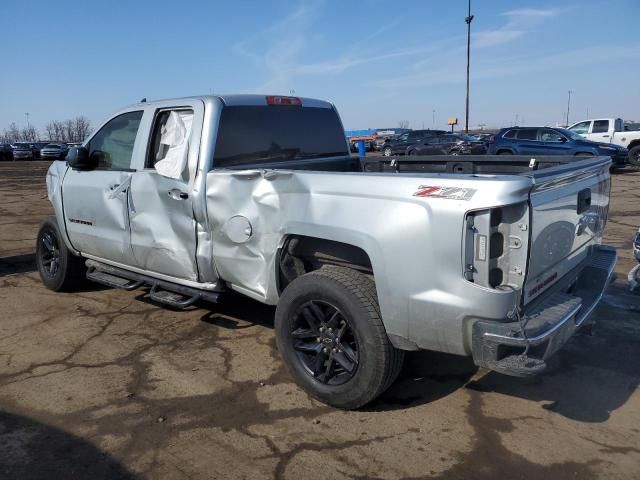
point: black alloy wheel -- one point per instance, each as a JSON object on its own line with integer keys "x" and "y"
{"x": 325, "y": 343}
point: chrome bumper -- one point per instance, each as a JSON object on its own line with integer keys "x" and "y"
{"x": 522, "y": 348}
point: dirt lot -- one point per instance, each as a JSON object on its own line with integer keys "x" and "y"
{"x": 102, "y": 384}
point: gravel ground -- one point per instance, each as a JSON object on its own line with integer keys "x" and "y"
{"x": 102, "y": 384}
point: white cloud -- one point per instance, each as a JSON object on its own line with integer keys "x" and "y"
{"x": 530, "y": 13}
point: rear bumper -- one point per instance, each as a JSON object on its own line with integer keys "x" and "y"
{"x": 22, "y": 154}
{"x": 508, "y": 348}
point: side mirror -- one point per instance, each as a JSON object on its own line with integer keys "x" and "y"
{"x": 78, "y": 158}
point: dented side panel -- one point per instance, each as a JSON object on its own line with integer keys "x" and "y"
{"x": 413, "y": 243}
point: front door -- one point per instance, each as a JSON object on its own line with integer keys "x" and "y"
{"x": 163, "y": 229}
{"x": 95, "y": 202}
{"x": 600, "y": 131}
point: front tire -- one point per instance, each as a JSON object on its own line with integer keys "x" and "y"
{"x": 60, "y": 270}
{"x": 331, "y": 337}
{"x": 634, "y": 156}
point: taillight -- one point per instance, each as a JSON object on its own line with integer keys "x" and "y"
{"x": 278, "y": 100}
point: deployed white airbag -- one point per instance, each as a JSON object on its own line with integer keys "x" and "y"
{"x": 171, "y": 161}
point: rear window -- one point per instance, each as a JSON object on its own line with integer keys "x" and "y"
{"x": 528, "y": 134}
{"x": 261, "y": 134}
{"x": 600, "y": 126}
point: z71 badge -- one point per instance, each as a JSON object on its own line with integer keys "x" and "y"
{"x": 452, "y": 193}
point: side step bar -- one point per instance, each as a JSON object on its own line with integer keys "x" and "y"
{"x": 167, "y": 293}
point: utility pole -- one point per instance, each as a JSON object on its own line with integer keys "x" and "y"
{"x": 568, "y": 106}
{"x": 433, "y": 120}
{"x": 468, "y": 21}
{"x": 26, "y": 114}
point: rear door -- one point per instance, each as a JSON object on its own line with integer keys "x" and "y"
{"x": 569, "y": 212}
{"x": 163, "y": 229}
{"x": 95, "y": 202}
{"x": 600, "y": 131}
{"x": 527, "y": 141}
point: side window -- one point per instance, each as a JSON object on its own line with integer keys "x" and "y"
{"x": 528, "y": 134}
{"x": 113, "y": 144}
{"x": 169, "y": 148}
{"x": 510, "y": 134}
{"x": 412, "y": 137}
{"x": 581, "y": 128}
{"x": 600, "y": 126}
{"x": 548, "y": 135}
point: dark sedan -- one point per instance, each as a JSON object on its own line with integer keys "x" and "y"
{"x": 448, "y": 144}
{"x": 6, "y": 152}
{"x": 398, "y": 145}
{"x": 54, "y": 151}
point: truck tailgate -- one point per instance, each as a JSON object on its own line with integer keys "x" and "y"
{"x": 569, "y": 207}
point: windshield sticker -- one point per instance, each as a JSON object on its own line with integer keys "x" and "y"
{"x": 452, "y": 193}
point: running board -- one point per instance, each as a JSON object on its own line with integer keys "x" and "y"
{"x": 167, "y": 293}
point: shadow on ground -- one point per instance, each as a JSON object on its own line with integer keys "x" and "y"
{"x": 30, "y": 450}
{"x": 587, "y": 380}
{"x": 17, "y": 264}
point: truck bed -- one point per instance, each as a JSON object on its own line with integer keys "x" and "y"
{"x": 432, "y": 164}
{"x": 467, "y": 164}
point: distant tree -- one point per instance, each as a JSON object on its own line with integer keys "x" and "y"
{"x": 29, "y": 134}
{"x": 82, "y": 127}
{"x": 13, "y": 133}
{"x": 403, "y": 124}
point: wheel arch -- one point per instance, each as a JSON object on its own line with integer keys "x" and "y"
{"x": 300, "y": 254}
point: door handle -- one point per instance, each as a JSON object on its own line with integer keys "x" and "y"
{"x": 605, "y": 136}
{"x": 178, "y": 194}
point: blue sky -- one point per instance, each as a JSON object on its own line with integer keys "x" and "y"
{"x": 380, "y": 62}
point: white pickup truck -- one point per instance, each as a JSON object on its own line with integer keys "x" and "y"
{"x": 491, "y": 257}
{"x": 610, "y": 130}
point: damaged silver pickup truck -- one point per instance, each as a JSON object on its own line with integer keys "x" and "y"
{"x": 498, "y": 258}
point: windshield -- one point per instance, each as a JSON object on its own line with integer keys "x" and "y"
{"x": 571, "y": 134}
{"x": 258, "y": 134}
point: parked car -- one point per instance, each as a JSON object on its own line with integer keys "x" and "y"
{"x": 199, "y": 196}
{"x": 610, "y": 130}
{"x": 368, "y": 145}
{"x": 22, "y": 151}
{"x": 448, "y": 144}
{"x": 552, "y": 141}
{"x": 399, "y": 145}
{"x": 6, "y": 152}
{"x": 55, "y": 151}
{"x": 37, "y": 147}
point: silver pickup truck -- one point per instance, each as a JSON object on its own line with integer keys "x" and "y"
{"x": 498, "y": 258}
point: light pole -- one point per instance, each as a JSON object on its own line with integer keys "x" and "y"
{"x": 468, "y": 21}
{"x": 433, "y": 120}
{"x": 568, "y": 106}
{"x": 26, "y": 114}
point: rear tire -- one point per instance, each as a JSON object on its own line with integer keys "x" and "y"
{"x": 331, "y": 337}
{"x": 387, "y": 152}
{"x": 504, "y": 152}
{"x": 60, "y": 270}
